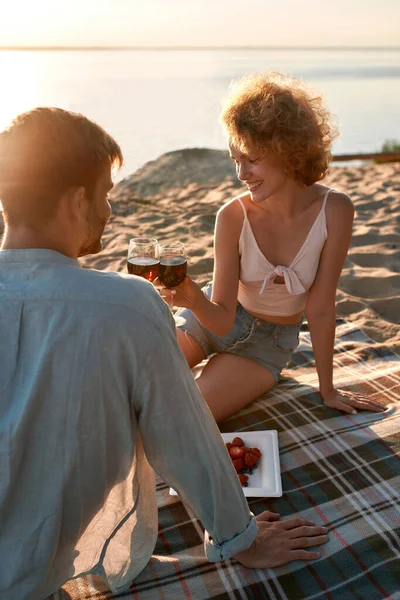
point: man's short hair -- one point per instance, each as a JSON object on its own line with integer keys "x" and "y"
{"x": 46, "y": 151}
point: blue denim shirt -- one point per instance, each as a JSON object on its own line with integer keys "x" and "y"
{"x": 95, "y": 394}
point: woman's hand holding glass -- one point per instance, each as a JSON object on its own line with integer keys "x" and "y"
{"x": 164, "y": 265}
{"x": 185, "y": 295}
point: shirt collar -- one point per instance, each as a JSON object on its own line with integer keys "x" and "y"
{"x": 36, "y": 255}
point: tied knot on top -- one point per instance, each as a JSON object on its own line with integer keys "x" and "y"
{"x": 292, "y": 282}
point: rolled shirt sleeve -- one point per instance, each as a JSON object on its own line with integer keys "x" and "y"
{"x": 183, "y": 443}
{"x": 215, "y": 552}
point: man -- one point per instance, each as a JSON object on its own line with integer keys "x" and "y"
{"x": 94, "y": 391}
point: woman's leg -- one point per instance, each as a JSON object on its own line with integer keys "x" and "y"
{"x": 229, "y": 382}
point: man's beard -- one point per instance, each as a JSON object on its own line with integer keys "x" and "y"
{"x": 93, "y": 242}
{"x": 90, "y": 247}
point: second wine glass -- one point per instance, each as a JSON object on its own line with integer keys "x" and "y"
{"x": 172, "y": 270}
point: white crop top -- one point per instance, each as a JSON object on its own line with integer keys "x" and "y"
{"x": 257, "y": 291}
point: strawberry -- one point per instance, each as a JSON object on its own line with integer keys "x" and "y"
{"x": 238, "y": 464}
{"x": 250, "y": 460}
{"x": 236, "y": 452}
{"x": 255, "y": 452}
{"x": 228, "y": 446}
{"x": 243, "y": 479}
{"x": 246, "y": 449}
{"x": 237, "y": 441}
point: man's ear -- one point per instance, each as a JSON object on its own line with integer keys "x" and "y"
{"x": 77, "y": 201}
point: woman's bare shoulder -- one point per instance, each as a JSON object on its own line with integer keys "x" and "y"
{"x": 339, "y": 216}
{"x": 234, "y": 207}
{"x": 230, "y": 217}
{"x": 339, "y": 206}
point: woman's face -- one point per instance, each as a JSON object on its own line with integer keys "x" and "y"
{"x": 263, "y": 175}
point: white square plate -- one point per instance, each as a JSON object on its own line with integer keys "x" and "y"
{"x": 265, "y": 481}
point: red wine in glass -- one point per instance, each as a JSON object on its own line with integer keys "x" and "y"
{"x": 144, "y": 266}
{"x": 143, "y": 258}
{"x": 172, "y": 270}
{"x": 173, "y": 267}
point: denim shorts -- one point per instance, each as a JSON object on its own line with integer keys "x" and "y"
{"x": 268, "y": 344}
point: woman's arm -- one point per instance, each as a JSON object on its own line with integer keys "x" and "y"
{"x": 218, "y": 314}
{"x": 321, "y": 304}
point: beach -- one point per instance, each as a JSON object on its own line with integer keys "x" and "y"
{"x": 177, "y": 196}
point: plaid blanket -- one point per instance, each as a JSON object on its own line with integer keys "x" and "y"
{"x": 341, "y": 471}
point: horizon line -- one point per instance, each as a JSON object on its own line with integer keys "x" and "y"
{"x": 190, "y": 48}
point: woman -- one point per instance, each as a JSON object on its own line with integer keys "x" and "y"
{"x": 279, "y": 251}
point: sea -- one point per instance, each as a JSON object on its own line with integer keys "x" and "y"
{"x": 154, "y": 101}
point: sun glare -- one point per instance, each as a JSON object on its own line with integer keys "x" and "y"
{"x": 20, "y": 85}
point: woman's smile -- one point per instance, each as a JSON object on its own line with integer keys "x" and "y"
{"x": 254, "y": 186}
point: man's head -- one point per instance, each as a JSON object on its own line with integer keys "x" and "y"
{"x": 55, "y": 164}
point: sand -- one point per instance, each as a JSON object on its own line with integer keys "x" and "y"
{"x": 177, "y": 196}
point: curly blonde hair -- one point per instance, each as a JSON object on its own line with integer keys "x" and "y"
{"x": 278, "y": 115}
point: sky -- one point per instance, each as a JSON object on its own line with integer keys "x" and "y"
{"x": 290, "y": 23}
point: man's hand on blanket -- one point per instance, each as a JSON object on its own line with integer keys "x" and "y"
{"x": 279, "y": 542}
{"x": 350, "y": 402}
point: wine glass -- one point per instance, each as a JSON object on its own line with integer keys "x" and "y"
{"x": 172, "y": 271}
{"x": 143, "y": 258}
